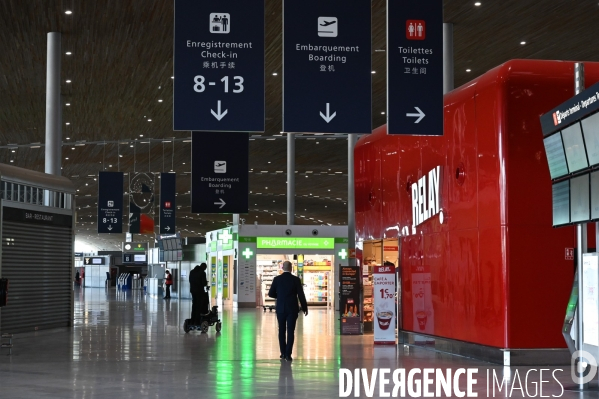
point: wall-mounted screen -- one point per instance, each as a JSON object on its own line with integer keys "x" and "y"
{"x": 595, "y": 195}
{"x": 556, "y": 157}
{"x": 139, "y": 258}
{"x": 561, "y": 203}
{"x": 97, "y": 261}
{"x": 590, "y": 129}
{"x": 579, "y": 199}
{"x": 574, "y": 146}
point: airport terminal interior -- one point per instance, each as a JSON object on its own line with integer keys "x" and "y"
{"x": 458, "y": 239}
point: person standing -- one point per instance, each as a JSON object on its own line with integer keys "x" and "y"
{"x": 197, "y": 287}
{"x": 168, "y": 282}
{"x": 287, "y": 289}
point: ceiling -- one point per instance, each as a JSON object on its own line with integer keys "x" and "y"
{"x": 120, "y": 67}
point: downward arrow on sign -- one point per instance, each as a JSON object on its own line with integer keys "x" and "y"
{"x": 328, "y": 117}
{"x": 218, "y": 114}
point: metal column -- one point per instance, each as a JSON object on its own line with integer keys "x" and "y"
{"x": 53, "y": 106}
{"x": 351, "y": 202}
{"x": 290, "y": 178}
{"x": 447, "y": 57}
{"x": 581, "y": 236}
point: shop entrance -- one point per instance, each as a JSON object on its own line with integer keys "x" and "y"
{"x": 379, "y": 253}
{"x": 316, "y": 272}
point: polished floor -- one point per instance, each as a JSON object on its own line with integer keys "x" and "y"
{"x": 130, "y": 345}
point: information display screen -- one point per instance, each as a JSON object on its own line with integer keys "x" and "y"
{"x": 167, "y": 244}
{"x": 97, "y": 261}
{"x": 574, "y": 145}
{"x": 595, "y": 195}
{"x": 590, "y": 129}
{"x": 561, "y": 203}
{"x": 579, "y": 199}
{"x": 139, "y": 258}
{"x": 556, "y": 157}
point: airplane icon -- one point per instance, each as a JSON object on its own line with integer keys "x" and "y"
{"x": 220, "y": 166}
{"x": 327, "y": 23}
{"x": 327, "y": 26}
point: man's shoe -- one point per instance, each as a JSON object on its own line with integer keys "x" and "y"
{"x": 282, "y": 357}
{"x": 288, "y": 358}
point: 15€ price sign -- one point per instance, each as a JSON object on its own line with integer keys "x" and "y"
{"x": 384, "y": 304}
{"x": 219, "y": 66}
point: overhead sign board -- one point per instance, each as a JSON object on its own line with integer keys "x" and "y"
{"x": 327, "y": 66}
{"x": 219, "y": 173}
{"x": 168, "y": 198}
{"x": 110, "y": 202}
{"x": 93, "y": 260}
{"x": 135, "y": 247}
{"x": 572, "y": 110}
{"x": 415, "y": 67}
{"x": 219, "y": 65}
{"x": 295, "y": 243}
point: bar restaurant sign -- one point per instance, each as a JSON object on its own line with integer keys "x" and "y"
{"x": 295, "y": 243}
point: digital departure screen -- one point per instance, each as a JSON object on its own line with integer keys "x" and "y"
{"x": 561, "y": 203}
{"x": 556, "y": 157}
{"x": 574, "y": 146}
{"x": 97, "y": 261}
{"x": 139, "y": 257}
{"x": 579, "y": 199}
{"x": 594, "y": 195}
{"x": 590, "y": 129}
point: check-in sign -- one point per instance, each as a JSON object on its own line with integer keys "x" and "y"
{"x": 219, "y": 65}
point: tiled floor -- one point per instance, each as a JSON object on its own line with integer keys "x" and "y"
{"x": 132, "y": 345}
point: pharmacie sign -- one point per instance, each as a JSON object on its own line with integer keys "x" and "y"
{"x": 296, "y": 243}
{"x": 426, "y": 197}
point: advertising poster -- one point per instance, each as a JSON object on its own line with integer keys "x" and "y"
{"x": 384, "y": 305}
{"x": 349, "y": 305}
{"x": 590, "y": 298}
{"x": 226, "y": 278}
{"x": 213, "y": 278}
{"x": 423, "y": 313}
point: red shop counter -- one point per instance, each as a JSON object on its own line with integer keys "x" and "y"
{"x": 496, "y": 270}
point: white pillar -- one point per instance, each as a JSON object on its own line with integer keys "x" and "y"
{"x": 53, "y": 106}
{"x": 290, "y": 178}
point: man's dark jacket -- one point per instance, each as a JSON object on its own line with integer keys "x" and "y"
{"x": 286, "y": 289}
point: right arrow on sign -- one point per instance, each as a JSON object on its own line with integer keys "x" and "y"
{"x": 221, "y": 203}
{"x": 420, "y": 115}
{"x": 217, "y": 114}
{"x": 328, "y": 117}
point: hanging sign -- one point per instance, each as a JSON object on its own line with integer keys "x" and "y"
{"x": 110, "y": 202}
{"x": 327, "y": 66}
{"x": 219, "y": 65}
{"x": 384, "y": 304}
{"x": 349, "y": 303}
{"x": 219, "y": 173}
{"x": 167, "y": 202}
{"x": 415, "y": 67}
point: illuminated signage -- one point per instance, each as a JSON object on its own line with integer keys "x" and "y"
{"x": 296, "y": 243}
{"x": 426, "y": 197}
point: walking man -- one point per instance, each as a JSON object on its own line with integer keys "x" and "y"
{"x": 287, "y": 289}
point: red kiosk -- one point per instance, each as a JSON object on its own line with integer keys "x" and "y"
{"x": 481, "y": 271}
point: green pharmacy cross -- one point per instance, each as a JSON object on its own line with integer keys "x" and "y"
{"x": 247, "y": 253}
{"x": 225, "y": 236}
{"x": 343, "y": 253}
